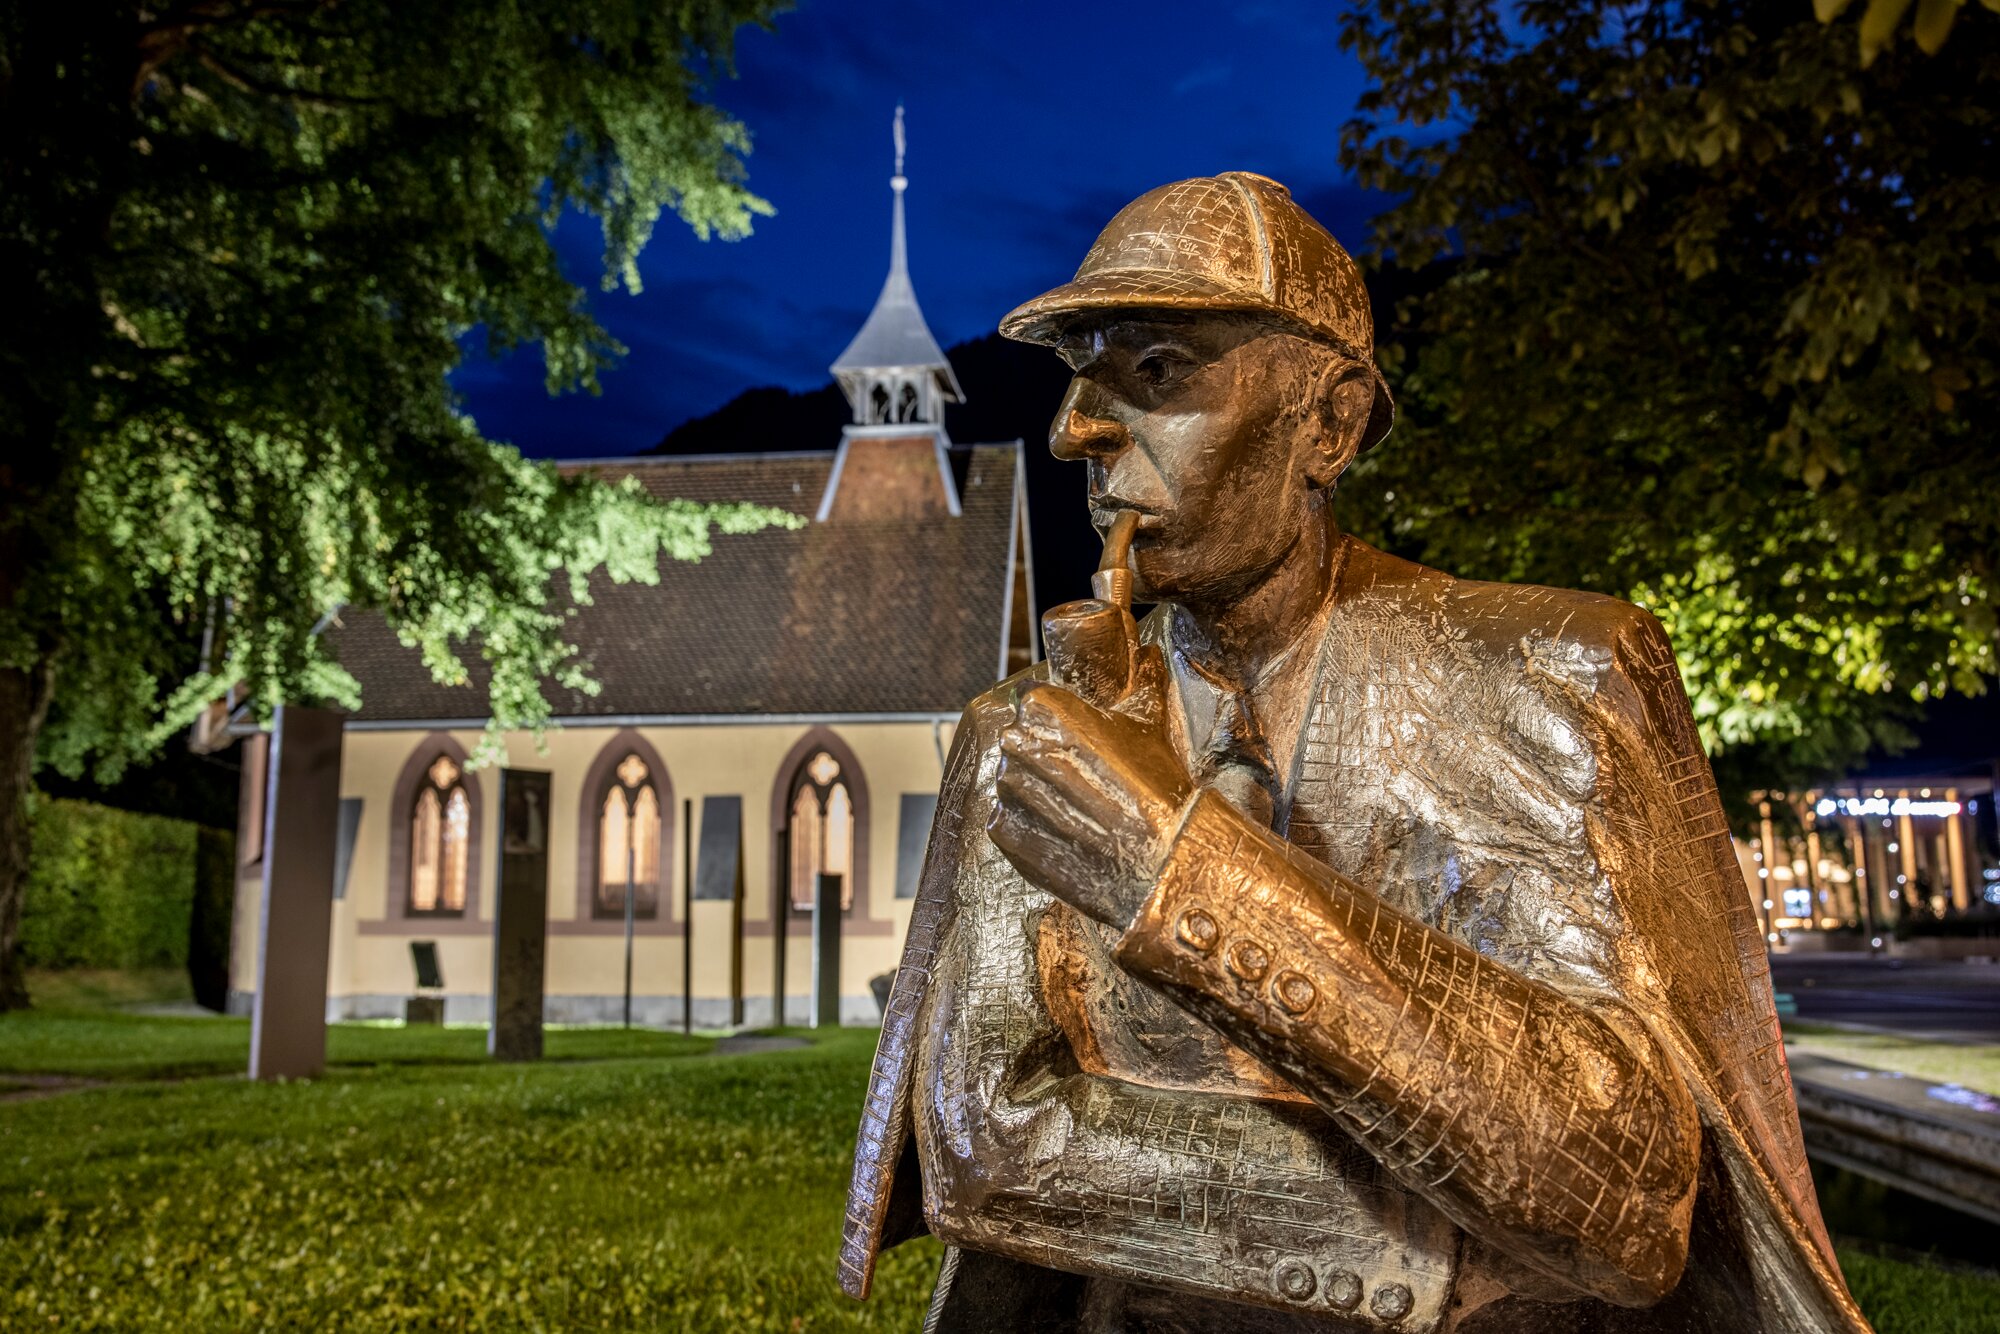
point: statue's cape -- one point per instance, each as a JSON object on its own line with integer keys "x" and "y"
{"x": 1655, "y": 824}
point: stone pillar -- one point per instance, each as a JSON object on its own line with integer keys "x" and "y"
{"x": 1865, "y": 881}
{"x": 1906, "y": 859}
{"x": 295, "y": 918}
{"x": 826, "y": 952}
{"x": 1824, "y": 901}
{"x": 1881, "y": 874}
{"x": 521, "y": 921}
{"x": 1954, "y": 844}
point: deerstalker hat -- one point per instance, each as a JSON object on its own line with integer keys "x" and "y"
{"x": 1234, "y": 242}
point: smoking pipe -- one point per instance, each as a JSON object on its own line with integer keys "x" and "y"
{"x": 1093, "y": 642}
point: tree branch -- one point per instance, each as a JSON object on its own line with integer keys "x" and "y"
{"x": 237, "y": 79}
{"x": 162, "y": 40}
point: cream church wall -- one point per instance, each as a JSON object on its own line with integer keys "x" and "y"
{"x": 370, "y": 973}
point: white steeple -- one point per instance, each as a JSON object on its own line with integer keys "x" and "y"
{"x": 894, "y": 372}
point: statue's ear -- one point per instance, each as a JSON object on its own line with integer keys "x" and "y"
{"x": 1342, "y": 397}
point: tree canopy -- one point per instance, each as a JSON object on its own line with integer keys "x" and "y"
{"x": 242, "y": 244}
{"x": 1701, "y": 313}
{"x": 1930, "y": 25}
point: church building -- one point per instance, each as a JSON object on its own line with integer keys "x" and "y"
{"x": 771, "y": 718}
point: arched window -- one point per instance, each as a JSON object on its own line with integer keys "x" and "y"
{"x": 822, "y": 831}
{"x": 440, "y": 840}
{"x": 906, "y": 405}
{"x": 878, "y": 403}
{"x": 628, "y": 842}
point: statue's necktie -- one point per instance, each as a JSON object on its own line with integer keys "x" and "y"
{"x": 1237, "y": 762}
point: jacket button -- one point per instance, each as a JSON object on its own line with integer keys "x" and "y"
{"x": 1343, "y": 1289}
{"x": 1248, "y": 960}
{"x": 1390, "y": 1302}
{"x": 1198, "y": 930}
{"x": 1294, "y": 1279}
{"x": 1295, "y": 992}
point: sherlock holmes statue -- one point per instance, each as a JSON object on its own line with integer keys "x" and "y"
{"x": 1345, "y": 946}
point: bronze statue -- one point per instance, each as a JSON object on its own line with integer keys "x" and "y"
{"x": 1345, "y": 946}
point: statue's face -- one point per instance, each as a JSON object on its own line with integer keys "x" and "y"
{"x": 1206, "y": 426}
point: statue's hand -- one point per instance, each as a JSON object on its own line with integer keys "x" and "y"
{"x": 1089, "y": 802}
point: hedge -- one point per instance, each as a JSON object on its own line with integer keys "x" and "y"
{"x": 111, "y": 889}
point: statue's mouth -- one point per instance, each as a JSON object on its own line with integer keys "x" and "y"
{"x": 1105, "y": 509}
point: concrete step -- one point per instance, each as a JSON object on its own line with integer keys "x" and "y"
{"x": 1940, "y": 1141}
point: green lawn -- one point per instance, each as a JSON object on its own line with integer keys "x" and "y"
{"x": 633, "y": 1182}
{"x": 142, "y": 1047}
{"x": 1972, "y": 1065}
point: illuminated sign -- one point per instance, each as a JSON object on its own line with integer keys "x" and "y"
{"x": 1885, "y": 806}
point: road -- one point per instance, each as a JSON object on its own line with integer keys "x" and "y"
{"x": 1955, "y": 1000}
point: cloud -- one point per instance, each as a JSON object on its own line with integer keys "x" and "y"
{"x": 1203, "y": 76}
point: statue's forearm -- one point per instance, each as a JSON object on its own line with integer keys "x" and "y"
{"x": 1232, "y": 1197}
{"x": 1528, "y": 1117}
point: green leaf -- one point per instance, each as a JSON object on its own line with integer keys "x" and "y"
{"x": 1934, "y": 20}
{"x": 1878, "y": 26}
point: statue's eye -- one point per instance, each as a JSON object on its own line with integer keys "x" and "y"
{"x": 1159, "y": 368}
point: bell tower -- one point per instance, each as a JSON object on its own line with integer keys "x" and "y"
{"x": 894, "y": 373}
{"x": 894, "y": 454}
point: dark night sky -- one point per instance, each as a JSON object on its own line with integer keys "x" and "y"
{"x": 1029, "y": 126}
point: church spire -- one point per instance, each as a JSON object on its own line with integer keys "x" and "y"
{"x": 894, "y": 372}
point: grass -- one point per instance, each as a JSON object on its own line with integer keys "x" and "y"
{"x": 1904, "y": 1298}
{"x": 1973, "y": 1066}
{"x": 634, "y": 1182}
{"x": 102, "y": 988}
{"x": 142, "y": 1047}
{"x": 630, "y": 1193}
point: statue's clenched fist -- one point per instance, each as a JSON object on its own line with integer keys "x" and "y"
{"x": 1089, "y": 802}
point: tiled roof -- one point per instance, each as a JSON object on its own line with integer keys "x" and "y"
{"x": 860, "y": 614}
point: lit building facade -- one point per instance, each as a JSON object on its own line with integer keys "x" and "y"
{"x": 1866, "y": 861}
{"x": 772, "y": 718}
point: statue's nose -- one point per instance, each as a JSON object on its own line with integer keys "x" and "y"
{"x": 1083, "y": 425}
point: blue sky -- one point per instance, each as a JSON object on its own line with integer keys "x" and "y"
{"x": 1029, "y": 125}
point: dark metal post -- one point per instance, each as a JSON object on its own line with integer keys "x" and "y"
{"x": 826, "y": 952}
{"x": 295, "y": 928}
{"x": 781, "y": 922}
{"x": 687, "y": 920}
{"x": 521, "y": 921}
{"x": 631, "y": 874}
{"x": 736, "y": 938}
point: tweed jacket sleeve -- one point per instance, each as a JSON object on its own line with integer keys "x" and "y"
{"x": 1558, "y": 1131}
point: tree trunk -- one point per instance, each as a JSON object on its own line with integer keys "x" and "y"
{"x": 24, "y": 704}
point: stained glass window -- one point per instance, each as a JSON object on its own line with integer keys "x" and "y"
{"x": 424, "y": 854}
{"x": 457, "y": 838}
{"x": 805, "y": 846}
{"x": 440, "y": 840}
{"x": 822, "y": 832}
{"x": 628, "y": 843}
